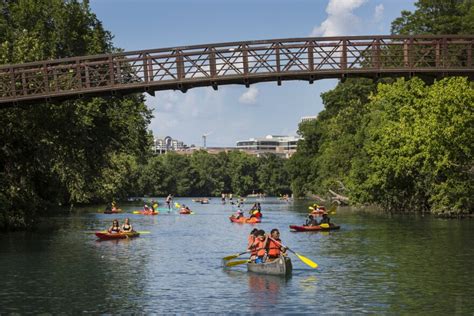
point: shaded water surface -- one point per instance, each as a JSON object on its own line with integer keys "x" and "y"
{"x": 376, "y": 263}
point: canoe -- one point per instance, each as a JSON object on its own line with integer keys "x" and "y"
{"x": 281, "y": 266}
{"x": 108, "y": 236}
{"x": 313, "y": 228}
{"x": 245, "y": 220}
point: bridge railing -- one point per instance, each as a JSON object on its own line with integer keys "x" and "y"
{"x": 236, "y": 63}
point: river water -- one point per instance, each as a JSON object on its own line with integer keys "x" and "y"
{"x": 376, "y": 263}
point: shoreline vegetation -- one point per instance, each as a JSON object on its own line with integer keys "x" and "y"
{"x": 402, "y": 144}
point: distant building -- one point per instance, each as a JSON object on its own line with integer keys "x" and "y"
{"x": 308, "y": 118}
{"x": 283, "y": 146}
{"x": 163, "y": 145}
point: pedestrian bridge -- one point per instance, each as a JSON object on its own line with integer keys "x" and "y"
{"x": 246, "y": 63}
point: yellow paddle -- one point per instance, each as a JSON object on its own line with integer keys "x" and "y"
{"x": 308, "y": 261}
{"x": 234, "y": 256}
{"x": 236, "y": 263}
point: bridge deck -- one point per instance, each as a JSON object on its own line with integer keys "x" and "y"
{"x": 183, "y": 68}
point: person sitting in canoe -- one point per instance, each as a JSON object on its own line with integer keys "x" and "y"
{"x": 273, "y": 246}
{"x": 258, "y": 246}
{"x": 251, "y": 240}
{"x": 127, "y": 227}
{"x": 115, "y": 228}
{"x": 311, "y": 221}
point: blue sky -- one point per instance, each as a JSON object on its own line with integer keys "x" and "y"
{"x": 234, "y": 112}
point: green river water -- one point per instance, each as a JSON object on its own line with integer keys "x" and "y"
{"x": 376, "y": 263}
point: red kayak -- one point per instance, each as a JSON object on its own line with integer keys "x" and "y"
{"x": 108, "y": 236}
{"x": 245, "y": 220}
{"x": 185, "y": 212}
{"x": 313, "y": 228}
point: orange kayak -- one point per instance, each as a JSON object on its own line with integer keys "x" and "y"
{"x": 185, "y": 212}
{"x": 245, "y": 220}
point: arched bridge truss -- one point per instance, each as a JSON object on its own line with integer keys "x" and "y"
{"x": 182, "y": 68}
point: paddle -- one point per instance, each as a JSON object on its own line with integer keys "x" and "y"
{"x": 309, "y": 262}
{"x": 235, "y": 256}
{"x": 236, "y": 263}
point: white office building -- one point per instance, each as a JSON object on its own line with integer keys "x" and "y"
{"x": 280, "y": 145}
{"x": 165, "y": 144}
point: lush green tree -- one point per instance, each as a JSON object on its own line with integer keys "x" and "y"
{"x": 57, "y": 154}
{"x": 437, "y": 17}
{"x": 420, "y": 146}
{"x": 273, "y": 178}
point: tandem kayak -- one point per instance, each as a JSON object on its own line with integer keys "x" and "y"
{"x": 281, "y": 266}
{"x": 107, "y": 235}
{"x": 313, "y": 228}
{"x": 245, "y": 220}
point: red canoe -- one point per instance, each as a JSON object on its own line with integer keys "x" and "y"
{"x": 312, "y": 228}
{"x": 107, "y": 235}
{"x": 245, "y": 220}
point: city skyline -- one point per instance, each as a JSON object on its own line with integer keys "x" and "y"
{"x": 235, "y": 112}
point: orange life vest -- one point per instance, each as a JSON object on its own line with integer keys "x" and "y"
{"x": 274, "y": 248}
{"x": 259, "y": 247}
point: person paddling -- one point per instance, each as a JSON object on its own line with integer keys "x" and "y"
{"x": 251, "y": 240}
{"x": 259, "y": 246}
{"x": 273, "y": 247}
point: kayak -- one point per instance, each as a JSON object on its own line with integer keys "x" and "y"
{"x": 113, "y": 211}
{"x": 281, "y": 266}
{"x": 313, "y": 228}
{"x": 185, "y": 212}
{"x": 245, "y": 220}
{"x": 108, "y": 236}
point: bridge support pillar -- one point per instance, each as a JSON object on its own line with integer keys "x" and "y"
{"x": 247, "y": 83}
{"x": 279, "y": 81}
{"x": 214, "y": 85}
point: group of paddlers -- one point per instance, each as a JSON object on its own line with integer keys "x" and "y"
{"x": 255, "y": 211}
{"x": 265, "y": 247}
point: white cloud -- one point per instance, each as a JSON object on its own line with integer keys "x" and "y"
{"x": 249, "y": 96}
{"x": 340, "y": 20}
{"x": 378, "y": 13}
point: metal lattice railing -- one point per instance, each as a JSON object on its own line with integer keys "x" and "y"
{"x": 182, "y": 68}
